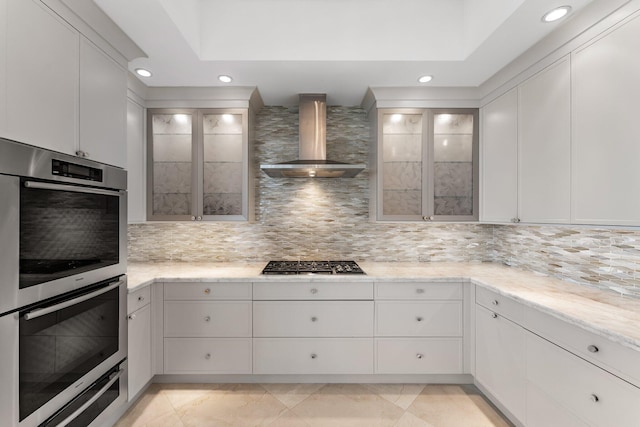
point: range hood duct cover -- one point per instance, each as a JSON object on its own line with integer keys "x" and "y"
{"x": 312, "y": 146}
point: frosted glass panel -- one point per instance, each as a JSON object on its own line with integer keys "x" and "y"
{"x": 453, "y": 164}
{"x": 402, "y": 148}
{"x": 402, "y": 123}
{"x": 223, "y": 166}
{"x": 172, "y": 167}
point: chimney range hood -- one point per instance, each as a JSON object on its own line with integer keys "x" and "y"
{"x": 312, "y": 146}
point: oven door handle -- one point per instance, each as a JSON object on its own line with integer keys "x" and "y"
{"x": 42, "y": 311}
{"x": 75, "y": 189}
{"x": 112, "y": 379}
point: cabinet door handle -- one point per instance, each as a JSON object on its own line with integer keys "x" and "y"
{"x": 419, "y": 291}
{"x": 207, "y": 319}
{"x": 207, "y": 291}
{"x": 193, "y": 218}
{"x": 593, "y": 349}
{"x": 207, "y": 356}
{"x": 198, "y": 218}
{"x": 140, "y": 298}
{"x": 494, "y": 315}
{"x": 419, "y": 356}
{"x": 515, "y": 220}
{"x": 132, "y": 316}
{"x": 594, "y": 398}
{"x": 314, "y": 291}
{"x": 495, "y": 302}
{"x": 428, "y": 218}
{"x": 314, "y": 356}
{"x": 314, "y": 319}
{"x": 419, "y": 319}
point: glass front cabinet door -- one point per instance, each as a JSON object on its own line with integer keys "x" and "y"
{"x": 427, "y": 162}
{"x": 198, "y": 165}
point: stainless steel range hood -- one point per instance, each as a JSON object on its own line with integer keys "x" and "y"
{"x": 312, "y": 146}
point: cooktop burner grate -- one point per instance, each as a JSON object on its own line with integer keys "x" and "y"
{"x": 312, "y": 267}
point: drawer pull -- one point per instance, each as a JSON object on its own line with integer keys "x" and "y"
{"x": 314, "y": 291}
{"x": 207, "y": 291}
{"x": 594, "y": 398}
{"x": 419, "y": 291}
{"x": 314, "y": 356}
{"x": 494, "y": 315}
{"x": 593, "y": 349}
{"x": 207, "y": 356}
{"x": 207, "y": 319}
{"x": 141, "y": 298}
{"x": 132, "y": 316}
{"x": 419, "y": 355}
{"x": 419, "y": 319}
{"x": 314, "y": 319}
{"x": 494, "y": 302}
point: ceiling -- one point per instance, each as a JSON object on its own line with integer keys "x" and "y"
{"x": 337, "y": 47}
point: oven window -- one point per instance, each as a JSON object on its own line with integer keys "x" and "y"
{"x": 59, "y": 348}
{"x": 63, "y": 233}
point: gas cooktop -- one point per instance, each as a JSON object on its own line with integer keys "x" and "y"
{"x": 312, "y": 267}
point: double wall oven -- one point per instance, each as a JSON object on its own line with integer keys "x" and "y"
{"x": 62, "y": 288}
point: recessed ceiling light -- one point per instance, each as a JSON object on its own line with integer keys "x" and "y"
{"x": 142, "y": 72}
{"x": 425, "y": 79}
{"x": 555, "y": 14}
{"x": 225, "y": 79}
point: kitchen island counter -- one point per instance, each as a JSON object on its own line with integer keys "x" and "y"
{"x": 604, "y": 313}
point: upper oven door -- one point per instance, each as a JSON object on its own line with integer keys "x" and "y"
{"x": 58, "y": 237}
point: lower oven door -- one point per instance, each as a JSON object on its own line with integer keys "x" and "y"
{"x": 56, "y": 349}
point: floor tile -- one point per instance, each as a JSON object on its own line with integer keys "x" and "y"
{"x": 181, "y": 394}
{"x": 292, "y": 394}
{"x": 289, "y": 419}
{"x": 171, "y": 419}
{"x": 401, "y": 395}
{"x": 410, "y": 420}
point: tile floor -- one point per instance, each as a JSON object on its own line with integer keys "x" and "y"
{"x": 283, "y": 405}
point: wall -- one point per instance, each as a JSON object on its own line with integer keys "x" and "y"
{"x": 328, "y": 218}
{"x": 309, "y": 218}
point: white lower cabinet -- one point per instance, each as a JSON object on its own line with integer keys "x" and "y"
{"x": 594, "y": 395}
{"x": 313, "y": 355}
{"x": 543, "y": 411}
{"x": 419, "y": 318}
{"x": 419, "y": 355}
{"x": 207, "y": 319}
{"x": 207, "y": 355}
{"x": 500, "y": 359}
{"x": 139, "y": 341}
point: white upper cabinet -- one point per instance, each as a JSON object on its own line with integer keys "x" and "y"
{"x": 499, "y": 160}
{"x": 606, "y": 129}
{"x": 103, "y": 109}
{"x": 41, "y": 78}
{"x": 544, "y": 145}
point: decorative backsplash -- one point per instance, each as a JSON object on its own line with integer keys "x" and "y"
{"x": 329, "y": 218}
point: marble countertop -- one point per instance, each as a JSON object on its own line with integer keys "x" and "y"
{"x": 604, "y": 313}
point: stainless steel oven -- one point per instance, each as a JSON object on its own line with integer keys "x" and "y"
{"x": 62, "y": 224}
{"x": 54, "y": 351}
{"x": 63, "y": 336}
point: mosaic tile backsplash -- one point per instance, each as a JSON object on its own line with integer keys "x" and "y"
{"x": 329, "y": 219}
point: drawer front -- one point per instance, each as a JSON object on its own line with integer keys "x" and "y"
{"x": 611, "y": 356}
{"x": 419, "y": 356}
{"x": 500, "y": 304}
{"x": 419, "y": 318}
{"x": 313, "y": 355}
{"x": 207, "y": 319}
{"x": 419, "y": 290}
{"x": 600, "y": 398}
{"x": 313, "y": 291}
{"x": 313, "y": 319}
{"x": 138, "y": 299}
{"x": 207, "y": 355}
{"x": 207, "y": 291}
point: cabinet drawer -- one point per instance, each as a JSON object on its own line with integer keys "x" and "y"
{"x": 207, "y": 319}
{"x": 419, "y": 355}
{"x": 207, "y": 291}
{"x": 207, "y": 355}
{"x": 313, "y": 291}
{"x": 419, "y": 290}
{"x": 138, "y": 299}
{"x": 500, "y": 304}
{"x": 600, "y": 398}
{"x": 313, "y": 318}
{"x": 611, "y": 356}
{"x": 313, "y": 355}
{"x": 419, "y": 318}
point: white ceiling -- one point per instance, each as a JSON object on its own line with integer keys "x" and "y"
{"x": 337, "y": 47}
